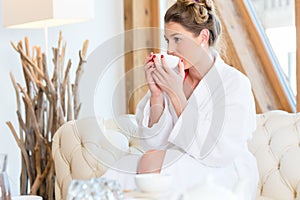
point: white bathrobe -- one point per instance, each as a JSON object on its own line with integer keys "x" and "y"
{"x": 209, "y": 139}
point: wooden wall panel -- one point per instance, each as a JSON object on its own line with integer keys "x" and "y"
{"x": 230, "y": 56}
{"x": 139, "y": 14}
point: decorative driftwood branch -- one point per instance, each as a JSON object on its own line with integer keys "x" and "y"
{"x": 47, "y": 104}
{"x": 79, "y": 71}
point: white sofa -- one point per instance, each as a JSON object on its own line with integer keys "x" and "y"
{"x": 79, "y": 150}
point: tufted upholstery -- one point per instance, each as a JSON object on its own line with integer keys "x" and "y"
{"x": 83, "y": 149}
{"x": 78, "y": 150}
{"x": 276, "y": 146}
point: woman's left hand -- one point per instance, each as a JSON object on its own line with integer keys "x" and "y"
{"x": 167, "y": 79}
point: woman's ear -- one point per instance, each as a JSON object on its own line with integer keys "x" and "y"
{"x": 203, "y": 37}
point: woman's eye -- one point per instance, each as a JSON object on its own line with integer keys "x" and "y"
{"x": 167, "y": 41}
{"x": 176, "y": 39}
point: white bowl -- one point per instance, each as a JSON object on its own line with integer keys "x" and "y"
{"x": 153, "y": 182}
{"x": 172, "y": 61}
{"x": 27, "y": 197}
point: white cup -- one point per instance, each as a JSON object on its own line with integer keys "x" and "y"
{"x": 27, "y": 197}
{"x": 172, "y": 61}
{"x": 153, "y": 182}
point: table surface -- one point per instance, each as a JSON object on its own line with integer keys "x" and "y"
{"x": 132, "y": 195}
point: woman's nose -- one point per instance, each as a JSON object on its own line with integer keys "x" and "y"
{"x": 170, "y": 50}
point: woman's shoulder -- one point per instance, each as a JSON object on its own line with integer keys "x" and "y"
{"x": 231, "y": 75}
{"x": 233, "y": 80}
{"x": 235, "y": 74}
{"x": 228, "y": 72}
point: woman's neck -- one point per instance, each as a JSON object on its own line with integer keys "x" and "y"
{"x": 194, "y": 77}
{"x": 196, "y": 74}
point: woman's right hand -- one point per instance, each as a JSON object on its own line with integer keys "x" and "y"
{"x": 149, "y": 67}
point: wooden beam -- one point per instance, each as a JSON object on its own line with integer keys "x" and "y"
{"x": 138, "y": 14}
{"x": 248, "y": 53}
{"x": 230, "y": 56}
{"x": 297, "y": 20}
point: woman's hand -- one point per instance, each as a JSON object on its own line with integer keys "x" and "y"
{"x": 167, "y": 79}
{"x": 156, "y": 99}
{"x": 149, "y": 68}
{"x": 171, "y": 82}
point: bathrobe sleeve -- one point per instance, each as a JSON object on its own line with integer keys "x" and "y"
{"x": 218, "y": 120}
{"x": 157, "y": 136}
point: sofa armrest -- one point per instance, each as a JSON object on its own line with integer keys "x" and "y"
{"x": 85, "y": 148}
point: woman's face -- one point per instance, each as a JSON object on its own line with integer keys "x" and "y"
{"x": 184, "y": 44}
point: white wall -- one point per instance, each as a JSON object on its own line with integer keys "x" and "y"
{"x": 107, "y": 23}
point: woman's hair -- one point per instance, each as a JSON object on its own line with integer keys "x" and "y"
{"x": 194, "y": 16}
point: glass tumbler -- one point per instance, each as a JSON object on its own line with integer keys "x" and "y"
{"x": 95, "y": 189}
{"x": 4, "y": 184}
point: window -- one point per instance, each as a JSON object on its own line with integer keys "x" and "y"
{"x": 277, "y": 20}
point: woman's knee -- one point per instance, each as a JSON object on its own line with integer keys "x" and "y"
{"x": 151, "y": 161}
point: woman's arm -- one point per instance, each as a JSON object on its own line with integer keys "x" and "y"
{"x": 156, "y": 135}
{"x": 156, "y": 108}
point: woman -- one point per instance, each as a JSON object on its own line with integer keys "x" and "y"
{"x": 197, "y": 120}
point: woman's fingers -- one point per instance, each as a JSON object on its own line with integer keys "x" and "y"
{"x": 161, "y": 66}
{"x": 156, "y": 61}
{"x": 157, "y": 76}
{"x": 160, "y": 72}
{"x": 181, "y": 68}
{"x": 148, "y": 65}
{"x": 148, "y": 58}
{"x": 149, "y": 72}
{"x": 165, "y": 65}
